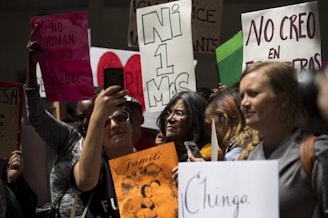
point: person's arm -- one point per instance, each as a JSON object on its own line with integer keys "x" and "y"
{"x": 32, "y": 47}
{"x": 320, "y": 172}
{"x": 55, "y": 133}
{"x": 15, "y": 166}
{"x": 13, "y": 179}
{"x": 87, "y": 169}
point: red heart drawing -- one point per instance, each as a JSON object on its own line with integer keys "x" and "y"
{"x": 132, "y": 74}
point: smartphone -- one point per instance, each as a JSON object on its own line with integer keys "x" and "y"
{"x": 193, "y": 148}
{"x": 113, "y": 76}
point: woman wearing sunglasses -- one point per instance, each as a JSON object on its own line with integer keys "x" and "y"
{"x": 109, "y": 135}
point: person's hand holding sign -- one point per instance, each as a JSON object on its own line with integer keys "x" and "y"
{"x": 32, "y": 47}
{"x": 192, "y": 150}
{"x": 15, "y": 166}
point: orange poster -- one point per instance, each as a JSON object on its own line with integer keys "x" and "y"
{"x": 143, "y": 182}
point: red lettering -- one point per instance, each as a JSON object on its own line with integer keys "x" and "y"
{"x": 293, "y": 27}
{"x": 257, "y": 32}
{"x": 311, "y": 64}
{"x": 282, "y": 37}
{"x": 300, "y": 25}
{"x": 268, "y": 39}
{"x": 309, "y": 25}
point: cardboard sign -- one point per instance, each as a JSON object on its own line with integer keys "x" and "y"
{"x": 290, "y": 34}
{"x": 166, "y": 52}
{"x": 143, "y": 182}
{"x": 65, "y": 64}
{"x": 206, "y": 23}
{"x": 11, "y": 103}
{"x": 245, "y": 189}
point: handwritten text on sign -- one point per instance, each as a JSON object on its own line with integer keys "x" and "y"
{"x": 65, "y": 64}
{"x": 166, "y": 52}
{"x": 203, "y": 193}
{"x": 11, "y": 102}
{"x": 206, "y": 23}
{"x": 290, "y": 34}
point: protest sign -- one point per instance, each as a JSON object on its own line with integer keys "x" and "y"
{"x": 245, "y": 189}
{"x": 206, "y": 23}
{"x": 132, "y": 28}
{"x": 115, "y": 58}
{"x": 166, "y": 52}
{"x": 11, "y": 103}
{"x": 214, "y": 143}
{"x": 65, "y": 64}
{"x": 289, "y": 34}
{"x": 229, "y": 59}
{"x": 143, "y": 182}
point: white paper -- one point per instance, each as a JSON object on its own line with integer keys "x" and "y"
{"x": 166, "y": 52}
{"x": 290, "y": 33}
{"x": 236, "y": 189}
{"x": 214, "y": 143}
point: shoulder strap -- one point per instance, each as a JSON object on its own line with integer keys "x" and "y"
{"x": 307, "y": 155}
{"x": 85, "y": 211}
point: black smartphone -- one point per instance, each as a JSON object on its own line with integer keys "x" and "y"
{"x": 113, "y": 76}
{"x": 193, "y": 148}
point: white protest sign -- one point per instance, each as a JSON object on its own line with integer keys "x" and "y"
{"x": 290, "y": 33}
{"x": 229, "y": 189}
{"x": 120, "y": 59}
{"x": 166, "y": 52}
{"x": 214, "y": 143}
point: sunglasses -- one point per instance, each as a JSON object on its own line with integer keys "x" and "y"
{"x": 120, "y": 116}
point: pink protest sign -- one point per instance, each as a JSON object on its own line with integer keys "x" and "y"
{"x": 11, "y": 104}
{"x": 65, "y": 64}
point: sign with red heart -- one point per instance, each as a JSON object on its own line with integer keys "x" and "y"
{"x": 128, "y": 60}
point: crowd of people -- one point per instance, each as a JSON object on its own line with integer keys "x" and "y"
{"x": 256, "y": 119}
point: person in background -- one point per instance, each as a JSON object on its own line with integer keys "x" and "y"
{"x": 3, "y": 200}
{"x": 140, "y": 142}
{"x": 231, "y": 130}
{"x": 270, "y": 103}
{"x": 21, "y": 201}
{"x": 322, "y": 99}
{"x": 83, "y": 110}
{"x": 109, "y": 136}
{"x": 160, "y": 138}
{"x": 205, "y": 92}
{"x": 182, "y": 120}
{"x": 63, "y": 138}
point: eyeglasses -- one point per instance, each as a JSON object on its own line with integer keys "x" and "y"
{"x": 177, "y": 114}
{"x": 119, "y": 117}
